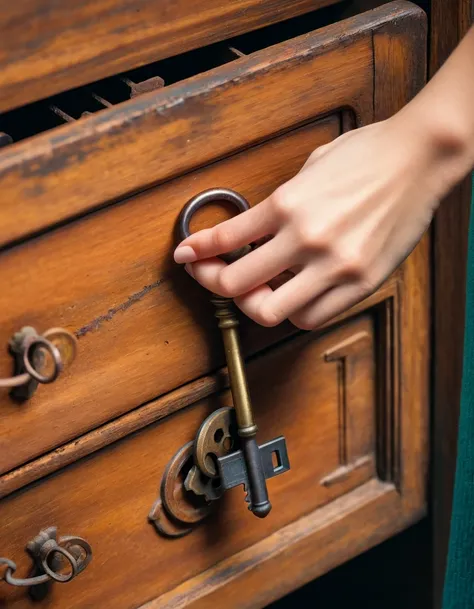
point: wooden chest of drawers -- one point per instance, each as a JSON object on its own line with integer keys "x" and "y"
{"x": 89, "y": 211}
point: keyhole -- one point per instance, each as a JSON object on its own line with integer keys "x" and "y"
{"x": 218, "y": 435}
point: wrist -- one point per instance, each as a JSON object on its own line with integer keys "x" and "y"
{"x": 441, "y": 141}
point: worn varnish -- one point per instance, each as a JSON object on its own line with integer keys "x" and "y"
{"x": 87, "y": 218}
{"x": 47, "y": 48}
{"x": 81, "y": 166}
{"x": 296, "y": 389}
{"x": 144, "y": 327}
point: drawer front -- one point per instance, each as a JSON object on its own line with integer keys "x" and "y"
{"x": 371, "y": 65}
{"x": 321, "y": 392}
{"x": 143, "y": 326}
{"x": 71, "y": 44}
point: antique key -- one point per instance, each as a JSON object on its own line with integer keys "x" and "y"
{"x": 251, "y": 465}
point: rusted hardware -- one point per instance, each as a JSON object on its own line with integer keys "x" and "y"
{"x": 236, "y": 52}
{"x": 215, "y": 438}
{"x": 5, "y": 139}
{"x": 144, "y": 86}
{"x": 38, "y": 359}
{"x": 62, "y": 115}
{"x": 177, "y": 510}
{"x": 164, "y": 524}
{"x": 254, "y": 474}
{"x": 59, "y": 560}
{"x": 202, "y": 486}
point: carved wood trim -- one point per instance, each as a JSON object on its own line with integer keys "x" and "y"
{"x": 387, "y": 379}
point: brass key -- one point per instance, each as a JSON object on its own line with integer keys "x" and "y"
{"x": 251, "y": 465}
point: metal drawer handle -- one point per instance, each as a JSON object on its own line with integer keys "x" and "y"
{"x": 29, "y": 350}
{"x": 49, "y": 555}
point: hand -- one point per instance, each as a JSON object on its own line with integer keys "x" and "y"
{"x": 342, "y": 225}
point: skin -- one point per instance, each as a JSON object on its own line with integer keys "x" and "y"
{"x": 342, "y": 233}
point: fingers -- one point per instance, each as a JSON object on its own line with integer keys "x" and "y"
{"x": 326, "y": 306}
{"x": 292, "y": 296}
{"x": 256, "y": 268}
{"x": 227, "y": 236}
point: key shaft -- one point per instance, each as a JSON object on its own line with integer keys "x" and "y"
{"x": 247, "y": 429}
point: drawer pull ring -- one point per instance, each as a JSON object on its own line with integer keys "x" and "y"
{"x": 38, "y": 359}
{"x": 51, "y": 556}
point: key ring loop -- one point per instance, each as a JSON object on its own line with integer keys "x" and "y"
{"x": 203, "y": 198}
{"x": 59, "y": 577}
{"x": 53, "y": 351}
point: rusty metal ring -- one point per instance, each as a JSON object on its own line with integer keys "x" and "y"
{"x": 174, "y": 496}
{"x": 53, "y": 351}
{"x": 203, "y": 198}
{"x": 59, "y": 577}
{"x": 70, "y": 543}
{"x": 215, "y": 438}
{"x": 11, "y": 567}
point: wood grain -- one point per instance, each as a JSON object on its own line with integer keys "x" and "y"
{"x": 450, "y": 19}
{"x": 47, "y": 48}
{"x": 385, "y": 299}
{"x": 73, "y": 169}
{"x": 106, "y": 498}
{"x": 296, "y": 554}
{"x": 144, "y": 327}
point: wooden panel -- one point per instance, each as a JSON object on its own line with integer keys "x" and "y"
{"x": 450, "y": 20}
{"x": 144, "y": 327}
{"x": 297, "y": 391}
{"x": 48, "y": 48}
{"x": 79, "y": 167}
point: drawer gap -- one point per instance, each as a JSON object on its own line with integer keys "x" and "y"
{"x": 79, "y": 103}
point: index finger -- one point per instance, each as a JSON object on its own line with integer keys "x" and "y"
{"x": 232, "y": 234}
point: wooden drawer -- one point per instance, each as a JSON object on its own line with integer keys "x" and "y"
{"x": 143, "y": 327}
{"x": 48, "y": 48}
{"x": 357, "y": 451}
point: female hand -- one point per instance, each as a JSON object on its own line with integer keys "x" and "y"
{"x": 349, "y": 217}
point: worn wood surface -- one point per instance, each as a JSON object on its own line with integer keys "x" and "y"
{"x": 143, "y": 326}
{"x": 386, "y": 301}
{"x": 450, "y": 19}
{"x": 82, "y": 166}
{"x": 106, "y": 498}
{"x": 49, "y": 47}
{"x": 298, "y": 553}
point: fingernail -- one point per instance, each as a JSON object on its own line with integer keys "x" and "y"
{"x": 184, "y": 254}
{"x": 189, "y": 269}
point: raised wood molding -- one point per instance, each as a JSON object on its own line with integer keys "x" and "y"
{"x": 344, "y": 354}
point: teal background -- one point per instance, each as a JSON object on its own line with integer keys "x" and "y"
{"x": 459, "y": 580}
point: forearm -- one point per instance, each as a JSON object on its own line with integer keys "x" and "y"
{"x": 442, "y": 116}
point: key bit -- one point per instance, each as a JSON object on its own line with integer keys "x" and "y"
{"x": 249, "y": 456}
{"x": 233, "y": 468}
{"x": 196, "y": 482}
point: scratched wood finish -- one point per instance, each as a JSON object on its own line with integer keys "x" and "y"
{"x": 79, "y": 167}
{"x": 385, "y": 301}
{"x": 46, "y": 48}
{"x": 297, "y": 391}
{"x": 144, "y": 327}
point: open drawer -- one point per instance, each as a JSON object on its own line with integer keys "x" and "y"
{"x": 45, "y": 48}
{"x": 106, "y": 274}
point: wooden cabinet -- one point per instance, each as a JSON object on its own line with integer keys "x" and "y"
{"x": 89, "y": 211}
